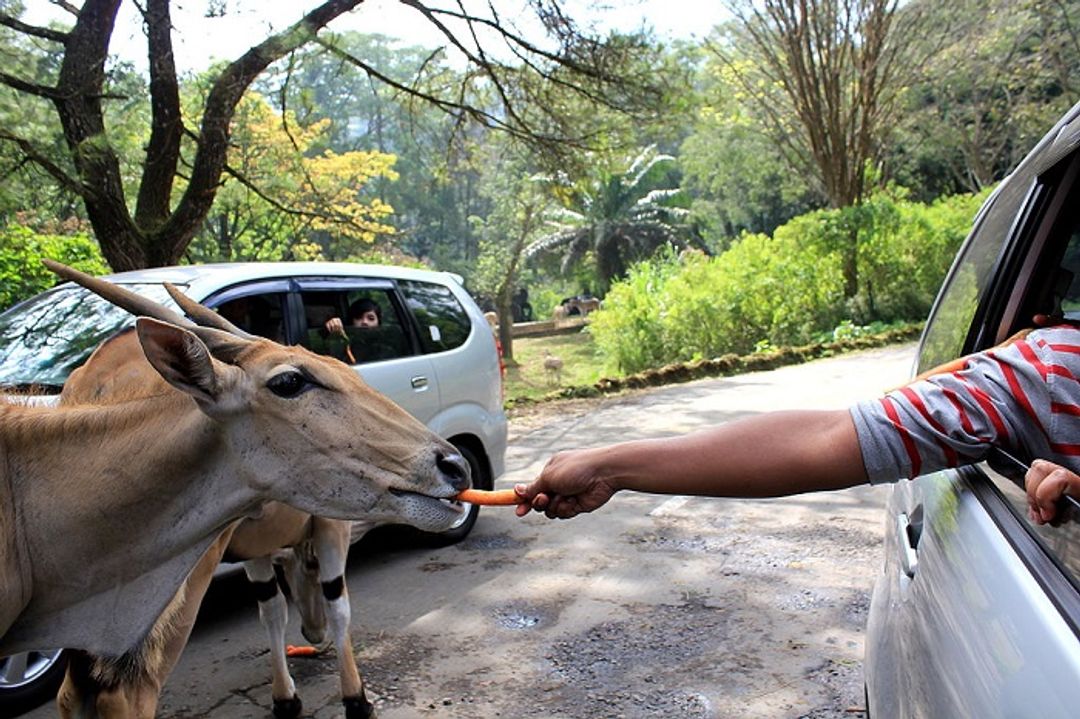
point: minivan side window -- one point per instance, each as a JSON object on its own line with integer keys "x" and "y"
{"x": 356, "y": 342}
{"x": 260, "y": 314}
{"x": 444, "y": 323}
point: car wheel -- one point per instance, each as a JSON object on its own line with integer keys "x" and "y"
{"x": 464, "y": 525}
{"x": 30, "y": 679}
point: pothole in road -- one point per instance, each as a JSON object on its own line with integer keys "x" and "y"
{"x": 651, "y": 664}
{"x": 522, "y": 616}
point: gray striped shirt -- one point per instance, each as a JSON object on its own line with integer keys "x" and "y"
{"x": 1024, "y": 397}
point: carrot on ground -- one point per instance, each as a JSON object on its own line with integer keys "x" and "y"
{"x": 498, "y": 497}
{"x": 292, "y": 651}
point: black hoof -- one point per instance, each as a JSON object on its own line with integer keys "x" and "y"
{"x": 358, "y": 708}
{"x": 288, "y": 708}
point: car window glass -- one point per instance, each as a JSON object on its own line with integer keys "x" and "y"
{"x": 259, "y": 314}
{"x": 45, "y": 338}
{"x": 1060, "y": 540}
{"x": 357, "y": 342}
{"x": 1070, "y": 266}
{"x": 948, "y": 328}
{"x": 444, "y": 323}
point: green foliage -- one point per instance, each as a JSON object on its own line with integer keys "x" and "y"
{"x": 22, "y": 274}
{"x": 783, "y": 290}
{"x": 738, "y": 177}
{"x": 621, "y": 213}
{"x": 1005, "y": 73}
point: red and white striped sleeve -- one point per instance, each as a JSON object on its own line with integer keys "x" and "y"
{"x": 1024, "y": 397}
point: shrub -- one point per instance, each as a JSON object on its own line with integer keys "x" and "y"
{"x": 22, "y": 274}
{"x": 786, "y": 289}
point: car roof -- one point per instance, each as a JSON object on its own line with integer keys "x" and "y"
{"x": 210, "y": 277}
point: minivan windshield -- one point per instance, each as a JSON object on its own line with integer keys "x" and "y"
{"x": 45, "y": 338}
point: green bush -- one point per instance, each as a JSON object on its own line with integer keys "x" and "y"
{"x": 784, "y": 290}
{"x": 22, "y": 274}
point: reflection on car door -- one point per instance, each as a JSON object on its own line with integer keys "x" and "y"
{"x": 972, "y": 631}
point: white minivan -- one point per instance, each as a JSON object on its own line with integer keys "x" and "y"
{"x": 432, "y": 352}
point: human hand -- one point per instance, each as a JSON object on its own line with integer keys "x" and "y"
{"x": 570, "y": 484}
{"x": 1046, "y": 484}
{"x": 334, "y": 326}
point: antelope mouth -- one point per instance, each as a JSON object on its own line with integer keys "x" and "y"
{"x": 448, "y": 502}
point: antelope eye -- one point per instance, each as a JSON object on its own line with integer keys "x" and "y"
{"x": 289, "y": 384}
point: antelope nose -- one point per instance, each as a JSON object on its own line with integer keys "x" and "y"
{"x": 455, "y": 469}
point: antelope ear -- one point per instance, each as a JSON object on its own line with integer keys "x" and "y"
{"x": 180, "y": 357}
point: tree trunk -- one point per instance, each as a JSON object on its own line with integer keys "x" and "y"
{"x": 155, "y": 236}
{"x": 504, "y": 302}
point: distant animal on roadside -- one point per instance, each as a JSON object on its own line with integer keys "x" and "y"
{"x": 560, "y": 314}
{"x": 553, "y": 367}
{"x": 583, "y": 305}
{"x": 492, "y": 319}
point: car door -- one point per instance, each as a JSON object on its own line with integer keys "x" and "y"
{"x": 387, "y": 357}
{"x": 977, "y": 612}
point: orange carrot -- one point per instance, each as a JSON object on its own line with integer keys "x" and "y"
{"x": 503, "y": 497}
{"x": 291, "y": 651}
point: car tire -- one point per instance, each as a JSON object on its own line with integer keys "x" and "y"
{"x": 461, "y": 529}
{"x": 30, "y": 679}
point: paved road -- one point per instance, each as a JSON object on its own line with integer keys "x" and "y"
{"x": 653, "y": 607}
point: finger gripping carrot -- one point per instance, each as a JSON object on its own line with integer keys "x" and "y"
{"x": 498, "y": 497}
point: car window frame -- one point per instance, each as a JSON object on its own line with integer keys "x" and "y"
{"x": 282, "y": 286}
{"x": 1019, "y": 275}
{"x": 348, "y": 284}
{"x": 423, "y": 332}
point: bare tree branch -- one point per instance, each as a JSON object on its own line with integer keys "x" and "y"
{"x": 163, "y": 149}
{"x": 66, "y": 6}
{"x": 31, "y": 88}
{"x": 31, "y": 152}
{"x": 44, "y": 33}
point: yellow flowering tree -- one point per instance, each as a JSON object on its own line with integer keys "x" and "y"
{"x": 283, "y": 199}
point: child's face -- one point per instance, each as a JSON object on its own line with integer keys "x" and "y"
{"x": 367, "y": 320}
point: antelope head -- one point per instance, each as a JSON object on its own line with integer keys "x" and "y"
{"x": 297, "y": 427}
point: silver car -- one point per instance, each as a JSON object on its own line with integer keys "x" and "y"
{"x": 432, "y": 352}
{"x": 977, "y": 611}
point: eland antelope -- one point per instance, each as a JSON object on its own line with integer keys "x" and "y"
{"x": 314, "y": 562}
{"x": 253, "y": 421}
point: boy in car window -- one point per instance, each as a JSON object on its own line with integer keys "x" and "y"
{"x": 362, "y": 313}
{"x": 1024, "y": 396}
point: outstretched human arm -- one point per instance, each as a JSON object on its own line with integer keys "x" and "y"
{"x": 773, "y": 454}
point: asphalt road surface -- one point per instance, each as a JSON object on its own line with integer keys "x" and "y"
{"x": 652, "y": 607}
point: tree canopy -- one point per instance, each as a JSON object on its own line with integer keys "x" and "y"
{"x": 150, "y": 220}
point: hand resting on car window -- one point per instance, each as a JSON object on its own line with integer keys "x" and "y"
{"x": 1046, "y": 483}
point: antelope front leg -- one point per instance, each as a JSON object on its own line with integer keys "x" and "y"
{"x": 331, "y": 540}
{"x": 274, "y": 615}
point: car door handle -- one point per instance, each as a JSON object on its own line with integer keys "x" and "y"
{"x": 419, "y": 382}
{"x": 907, "y": 537}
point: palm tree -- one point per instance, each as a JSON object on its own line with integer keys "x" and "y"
{"x": 620, "y": 216}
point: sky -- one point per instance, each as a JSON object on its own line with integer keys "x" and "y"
{"x": 198, "y": 40}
